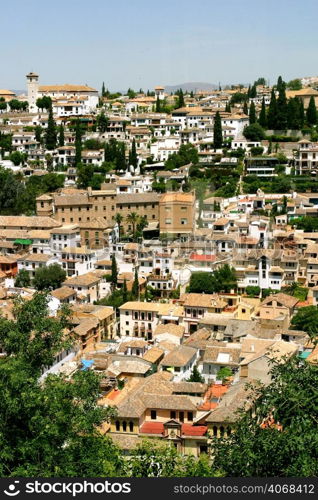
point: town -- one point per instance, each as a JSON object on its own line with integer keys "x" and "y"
{"x": 179, "y": 230}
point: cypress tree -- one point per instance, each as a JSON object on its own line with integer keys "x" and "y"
{"x": 61, "y": 135}
{"x": 301, "y": 112}
{"x": 249, "y": 91}
{"x": 103, "y": 90}
{"x": 134, "y": 157}
{"x": 50, "y": 138}
{"x": 311, "y": 113}
{"x": 114, "y": 272}
{"x": 252, "y": 114}
{"x": 158, "y": 105}
{"x": 245, "y": 108}
{"x": 181, "y": 103}
{"x": 279, "y": 83}
{"x": 272, "y": 112}
{"x": 78, "y": 143}
{"x": 262, "y": 120}
{"x": 282, "y": 111}
{"x": 125, "y": 293}
{"x": 253, "y": 92}
{"x": 217, "y": 131}
{"x": 135, "y": 286}
{"x": 293, "y": 118}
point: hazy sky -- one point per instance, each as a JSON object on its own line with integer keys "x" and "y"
{"x": 143, "y": 43}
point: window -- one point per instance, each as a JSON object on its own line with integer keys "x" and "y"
{"x": 184, "y": 221}
{"x": 153, "y": 415}
{"x": 131, "y": 426}
{"x": 190, "y": 416}
{"x": 168, "y": 221}
{"x": 117, "y": 423}
{"x": 173, "y": 414}
{"x": 124, "y": 425}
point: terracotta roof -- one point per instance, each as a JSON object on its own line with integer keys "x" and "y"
{"x": 66, "y": 88}
{"x": 82, "y": 280}
{"x": 11, "y": 221}
{"x": 180, "y": 356}
{"x": 140, "y": 306}
{"x": 63, "y": 293}
{"x": 137, "y": 198}
{"x": 170, "y": 328}
{"x": 177, "y": 197}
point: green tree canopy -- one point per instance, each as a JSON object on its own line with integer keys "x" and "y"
{"x": 221, "y": 280}
{"x": 254, "y": 132}
{"x": 49, "y": 277}
{"x": 217, "y": 131}
{"x": 306, "y": 319}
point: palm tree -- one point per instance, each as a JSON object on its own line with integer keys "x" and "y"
{"x": 142, "y": 223}
{"x": 133, "y": 219}
{"x": 119, "y": 219}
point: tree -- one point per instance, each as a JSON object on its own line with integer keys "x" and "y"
{"x": 260, "y": 81}
{"x": 78, "y": 143}
{"x": 282, "y": 111}
{"x": 294, "y": 119}
{"x": 195, "y": 376}
{"x": 252, "y": 114}
{"x": 158, "y": 105}
{"x": 245, "y": 108}
{"x": 50, "y": 136}
{"x": 124, "y": 291}
{"x": 262, "y": 119}
{"x": 3, "y": 104}
{"x": 114, "y": 272}
{"x": 282, "y": 424}
{"x": 103, "y": 90}
{"x": 38, "y": 133}
{"x": 294, "y": 84}
{"x": 135, "y": 286}
{"x": 48, "y": 427}
{"x": 306, "y": 319}
{"x": 119, "y": 218}
{"x": 22, "y": 279}
{"x": 311, "y": 114}
{"x": 132, "y": 219}
{"x": 44, "y": 102}
{"x": 180, "y": 101}
{"x": 221, "y": 280}
{"x": 85, "y": 173}
{"x": 102, "y": 122}
{"x": 217, "y": 131}
{"x": 253, "y": 291}
{"x": 272, "y": 112}
{"x": 223, "y": 374}
{"x": 133, "y": 160}
{"x": 16, "y": 157}
{"x": 61, "y": 138}
{"x": 254, "y": 132}
{"x": 228, "y": 107}
{"x": 49, "y": 277}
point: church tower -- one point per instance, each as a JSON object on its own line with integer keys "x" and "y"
{"x": 32, "y": 86}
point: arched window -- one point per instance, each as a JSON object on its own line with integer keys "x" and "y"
{"x": 215, "y": 431}
{"x": 131, "y": 426}
{"x": 117, "y": 423}
{"x": 221, "y": 431}
{"x": 124, "y": 425}
{"x": 229, "y": 430}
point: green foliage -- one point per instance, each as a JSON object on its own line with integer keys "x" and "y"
{"x": 48, "y": 428}
{"x": 186, "y": 154}
{"x": 17, "y": 158}
{"x": 102, "y": 122}
{"x": 78, "y": 143}
{"x": 217, "y": 131}
{"x": 252, "y": 113}
{"x": 61, "y": 138}
{"x": 195, "y": 376}
{"x": 262, "y": 119}
{"x": 306, "y": 319}
{"x": 294, "y": 84}
{"x": 133, "y": 158}
{"x": 254, "y": 132}
{"x": 221, "y": 280}
{"x": 180, "y": 101}
{"x": 291, "y": 401}
{"x": 308, "y": 224}
{"x": 16, "y": 105}
{"x": 282, "y": 110}
{"x": 38, "y": 133}
{"x": 253, "y": 291}
{"x": 260, "y": 81}
{"x": 44, "y": 102}
{"x": 257, "y": 151}
{"x": 223, "y": 374}
{"x": 114, "y": 272}
{"x": 272, "y": 111}
{"x": 22, "y": 279}
{"x": 50, "y": 135}
{"x": 238, "y": 98}
{"x": 115, "y": 153}
{"x": 135, "y": 286}
{"x": 49, "y": 277}
{"x": 311, "y": 114}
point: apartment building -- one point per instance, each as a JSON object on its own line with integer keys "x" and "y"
{"x": 177, "y": 214}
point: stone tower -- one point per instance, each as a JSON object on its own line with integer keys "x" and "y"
{"x": 32, "y": 86}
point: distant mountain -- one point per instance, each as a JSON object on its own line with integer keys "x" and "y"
{"x": 191, "y": 86}
{"x": 19, "y": 92}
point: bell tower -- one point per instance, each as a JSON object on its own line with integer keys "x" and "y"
{"x": 33, "y": 87}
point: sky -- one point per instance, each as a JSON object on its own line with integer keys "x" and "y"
{"x": 144, "y": 43}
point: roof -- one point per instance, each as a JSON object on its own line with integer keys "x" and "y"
{"x": 140, "y": 306}
{"x": 85, "y": 326}
{"x": 177, "y": 197}
{"x": 170, "y": 328}
{"x": 282, "y": 298}
{"x": 27, "y": 222}
{"x": 238, "y": 396}
{"x": 137, "y": 198}
{"x": 66, "y": 88}
{"x": 222, "y": 355}
{"x": 180, "y": 356}
{"x": 189, "y": 387}
{"x": 63, "y": 293}
{"x": 82, "y": 280}
{"x": 202, "y": 300}
{"x": 154, "y": 354}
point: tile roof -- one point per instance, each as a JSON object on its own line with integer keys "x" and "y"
{"x": 180, "y": 356}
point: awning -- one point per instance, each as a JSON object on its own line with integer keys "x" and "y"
{"x": 20, "y": 241}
